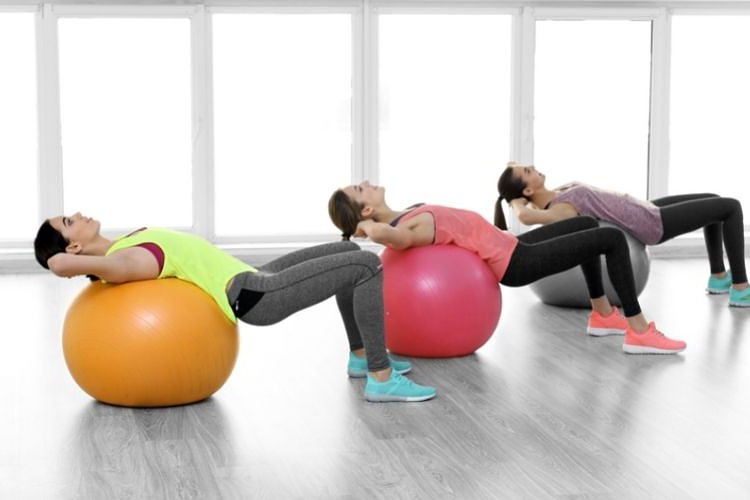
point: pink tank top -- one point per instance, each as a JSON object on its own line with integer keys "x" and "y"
{"x": 470, "y": 231}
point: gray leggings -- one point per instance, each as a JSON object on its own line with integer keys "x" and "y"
{"x": 309, "y": 276}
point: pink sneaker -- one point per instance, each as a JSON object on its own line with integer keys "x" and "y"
{"x": 613, "y": 324}
{"x": 651, "y": 341}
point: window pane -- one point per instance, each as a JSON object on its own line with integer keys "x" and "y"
{"x": 710, "y": 106}
{"x": 444, "y": 108}
{"x": 126, "y": 120}
{"x": 591, "y": 104}
{"x": 18, "y": 126}
{"x": 282, "y": 100}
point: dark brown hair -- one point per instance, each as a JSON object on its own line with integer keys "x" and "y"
{"x": 49, "y": 242}
{"x": 508, "y": 188}
{"x": 345, "y": 213}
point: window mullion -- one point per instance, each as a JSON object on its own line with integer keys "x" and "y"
{"x": 202, "y": 125}
{"x": 50, "y": 142}
{"x": 658, "y": 151}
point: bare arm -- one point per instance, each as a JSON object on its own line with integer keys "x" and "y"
{"x": 530, "y": 215}
{"x": 128, "y": 264}
{"x": 416, "y": 232}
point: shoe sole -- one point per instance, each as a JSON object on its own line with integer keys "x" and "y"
{"x": 739, "y": 304}
{"x": 639, "y": 349}
{"x": 364, "y": 374}
{"x": 717, "y": 291}
{"x": 389, "y": 398}
{"x": 604, "y": 332}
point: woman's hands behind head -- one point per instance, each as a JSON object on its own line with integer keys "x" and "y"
{"x": 365, "y": 228}
{"x": 60, "y": 264}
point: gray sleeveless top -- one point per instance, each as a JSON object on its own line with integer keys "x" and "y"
{"x": 640, "y": 218}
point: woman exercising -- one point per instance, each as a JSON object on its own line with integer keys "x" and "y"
{"x": 72, "y": 246}
{"x": 653, "y": 222}
{"x": 360, "y": 210}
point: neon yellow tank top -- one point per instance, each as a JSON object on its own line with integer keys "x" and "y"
{"x": 191, "y": 258}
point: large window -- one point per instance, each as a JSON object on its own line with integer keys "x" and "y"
{"x": 710, "y": 106}
{"x": 126, "y": 120}
{"x": 268, "y": 108}
{"x": 591, "y": 103}
{"x": 282, "y": 101}
{"x": 18, "y": 127}
{"x": 444, "y": 108}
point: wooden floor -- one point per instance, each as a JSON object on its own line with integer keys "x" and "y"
{"x": 541, "y": 411}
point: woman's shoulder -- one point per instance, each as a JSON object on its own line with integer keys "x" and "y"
{"x": 571, "y": 185}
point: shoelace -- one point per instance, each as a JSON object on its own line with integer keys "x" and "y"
{"x": 656, "y": 332}
{"x": 402, "y": 381}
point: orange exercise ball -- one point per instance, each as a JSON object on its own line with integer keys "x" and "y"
{"x": 148, "y": 343}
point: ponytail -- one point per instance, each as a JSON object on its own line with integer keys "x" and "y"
{"x": 509, "y": 188}
{"x": 344, "y": 213}
{"x": 499, "y": 215}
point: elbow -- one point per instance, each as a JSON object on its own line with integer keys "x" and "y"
{"x": 57, "y": 266}
{"x": 61, "y": 271}
{"x": 525, "y": 218}
{"x": 398, "y": 245}
{"x": 116, "y": 276}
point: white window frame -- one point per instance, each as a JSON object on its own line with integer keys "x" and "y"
{"x": 658, "y": 113}
{"x": 262, "y": 247}
{"x": 51, "y": 139}
{"x": 391, "y": 7}
{"x": 9, "y": 247}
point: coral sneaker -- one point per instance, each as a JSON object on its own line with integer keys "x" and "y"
{"x": 739, "y": 298}
{"x": 719, "y": 285}
{"x": 650, "y": 341}
{"x": 612, "y": 324}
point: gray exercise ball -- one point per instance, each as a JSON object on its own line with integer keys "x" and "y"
{"x": 568, "y": 288}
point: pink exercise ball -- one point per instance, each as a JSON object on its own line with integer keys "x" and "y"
{"x": 441, "y": 301}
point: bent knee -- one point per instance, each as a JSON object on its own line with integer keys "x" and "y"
{"x": 734, "y": 204}
{"x": 371, "y": 260}
{"x": 348, "y": 245}
{"x": 366, "y": 263}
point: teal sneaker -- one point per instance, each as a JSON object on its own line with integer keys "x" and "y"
{"x": 396, "y": 388}
{"x": 719, "y": 285}
{"x": 739, "y": 298}
{"x": 357, "y": 367}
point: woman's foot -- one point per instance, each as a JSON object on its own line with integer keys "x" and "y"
{"x": 739, "y": 298}
{"x": 612, "y": 324}
{"x": 650, "y": 341}
{"x": 720, "y": 285}
{"x": 396, "y": 389}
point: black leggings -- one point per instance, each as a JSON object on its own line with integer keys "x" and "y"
{"x": 721, "y": 220}
{"x": 575, "y": 242}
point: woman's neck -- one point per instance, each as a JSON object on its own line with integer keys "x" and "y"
{"x": 386, "y": 214}
{"x": 542, "y": 197}
{"x": 98, "y": 247}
